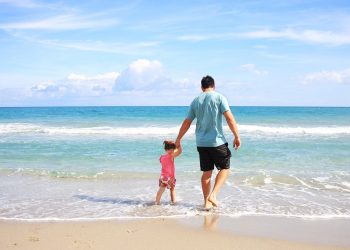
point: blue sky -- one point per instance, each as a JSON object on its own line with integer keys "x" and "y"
{"x": 286, "y": 53}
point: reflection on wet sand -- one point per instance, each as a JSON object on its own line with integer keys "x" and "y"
{"x": 210, "y": 222}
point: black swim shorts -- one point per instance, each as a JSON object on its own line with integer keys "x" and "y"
{"x": 218, "y": 156}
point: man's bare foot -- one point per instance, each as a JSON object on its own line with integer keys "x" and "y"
{"x": 207, "y": 206}
{"x": 156, "y": 203}
{"x": 212, "y": 200}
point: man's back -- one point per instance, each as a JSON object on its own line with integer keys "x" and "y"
{"x": 208, "y": 108}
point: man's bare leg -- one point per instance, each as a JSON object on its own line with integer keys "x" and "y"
{"x": 206, "y": 185}
{"x": 219, "y": 181}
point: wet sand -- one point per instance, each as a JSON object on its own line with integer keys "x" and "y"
{"x": 200, "y": 232}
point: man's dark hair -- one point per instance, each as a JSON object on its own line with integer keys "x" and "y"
{"x": 208, "y": 82}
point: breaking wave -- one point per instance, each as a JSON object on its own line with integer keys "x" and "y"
{"x": 28, "y": 128}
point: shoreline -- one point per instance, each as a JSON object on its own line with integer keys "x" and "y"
{"x": 179, "y": 217}
{"x": 209, "y": 231}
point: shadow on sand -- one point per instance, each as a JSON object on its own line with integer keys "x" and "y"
{"x": 113, "y": 200}
{"x": 131, "y": 201}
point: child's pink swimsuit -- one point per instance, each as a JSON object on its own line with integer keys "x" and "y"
{"x": 167, "y": 175}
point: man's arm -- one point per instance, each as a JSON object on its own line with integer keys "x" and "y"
{"x": 186, "y": 124}
{"x": 233, "y": 127}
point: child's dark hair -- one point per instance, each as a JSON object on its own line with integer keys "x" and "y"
{"x": 169, "y": 145}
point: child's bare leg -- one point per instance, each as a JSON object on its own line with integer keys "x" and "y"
{"x": 159, "y": 195}
{"x": 173, "y": 195}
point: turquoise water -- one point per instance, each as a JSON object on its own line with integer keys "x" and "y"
{"x": 98, "y": 162}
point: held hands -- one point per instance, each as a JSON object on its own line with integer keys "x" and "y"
{"x": 178, "y": 149}
{"x": 236, "y": 143}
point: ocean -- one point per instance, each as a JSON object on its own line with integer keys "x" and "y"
{"x": 72, "y": 163}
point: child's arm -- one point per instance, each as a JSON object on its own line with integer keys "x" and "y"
{"x": 177, "y": 151}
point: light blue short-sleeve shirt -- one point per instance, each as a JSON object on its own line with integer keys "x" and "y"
{"x": 209, "y": 108}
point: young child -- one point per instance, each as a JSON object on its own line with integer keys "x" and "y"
{"x": 167, "y": 175}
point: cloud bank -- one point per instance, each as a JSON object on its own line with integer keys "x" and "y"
{"x": 339, "y": 77}
{"x": 143, "y": 82}
{"x": 75, "y": 85}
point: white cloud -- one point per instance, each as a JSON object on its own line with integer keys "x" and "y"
{"x": 96, "y": 46}
{"x": 76, "y": 85}
{"x": 115, "y": 48}
{"x": 212, "y": 36}
{"x": 309, "y": 36}
{"x": 62, "y": 22}
{"x": 22, "y": 3}
{"x": 142, "y": 74}
{"x": 252, "y": 68}
{"x": 48, "y": 87}
{"x": 100, "y": 77}
{"x": 262, "y": 47}
{"x": 93, "y": 85}
{"x": 49, "y": 90}
{"x": 193, "y": 38}
{"x": 150, "y": 76}
{"x": 340, "y": 77}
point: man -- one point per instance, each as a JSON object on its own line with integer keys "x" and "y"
{"x": 209, "y": 108}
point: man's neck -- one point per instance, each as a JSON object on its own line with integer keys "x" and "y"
{"x": 208, "y": 90}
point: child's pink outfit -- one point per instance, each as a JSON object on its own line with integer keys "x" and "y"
{"x": 167, "y": 175}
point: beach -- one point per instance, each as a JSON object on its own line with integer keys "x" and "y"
{"x": 253, "y": 98}
{"x": 207, "y": 232}
{"x": 86, "y": 177}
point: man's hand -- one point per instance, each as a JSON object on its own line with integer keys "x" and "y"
{"x": 237, "y": 143}
{"x": 178, "y": 143}
{"x": 233, "y": 127}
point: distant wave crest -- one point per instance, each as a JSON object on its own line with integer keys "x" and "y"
{"x": 295, "y": 130}
{"x": 28, "y": 128}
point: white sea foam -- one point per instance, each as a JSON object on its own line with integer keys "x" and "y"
{"x": 101, "y": 130}
{"x": 295, "y": 130}
{"x": 268, "y": 180}
{"x": 28, "y": 128}
{"x": 329, "y": 186}
{"x": 111, "y": 218}
{"x": 345, "y": 183}
{"x": 321, "y": 179}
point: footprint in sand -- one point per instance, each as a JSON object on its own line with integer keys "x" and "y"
{"x": 33, "y": 239}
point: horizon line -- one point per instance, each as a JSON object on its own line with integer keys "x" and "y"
{"x": 95, "y": 106}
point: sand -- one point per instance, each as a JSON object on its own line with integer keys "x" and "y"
{"x": 201, "y": 232}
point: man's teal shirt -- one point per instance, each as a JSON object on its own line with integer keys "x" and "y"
{"x": 209, "y": 108}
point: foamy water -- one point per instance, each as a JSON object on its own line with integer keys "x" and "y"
{"x": 99, "y": 197}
